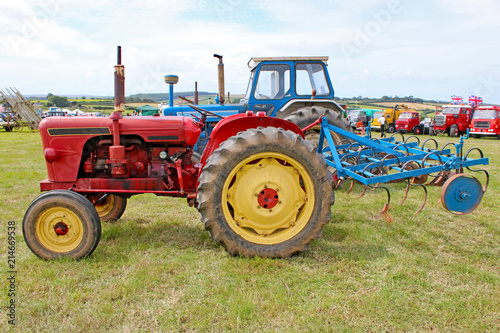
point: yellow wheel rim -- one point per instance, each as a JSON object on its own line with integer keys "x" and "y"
{"x": 268, "y": 198}
{"x": 58, "y": 229}
{"x": 105, "y": 206}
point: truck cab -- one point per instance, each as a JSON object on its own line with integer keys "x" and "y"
{"x": 454, "y": 120}
{"x": 486, "y": 122}
{"x": 408, "y": 122}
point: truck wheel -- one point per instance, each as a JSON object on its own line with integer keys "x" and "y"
{"x": 265, "y": 192}
{"x": 417, "y": 130}
{"x": 110, "y": 208}
{"x": 307, "y": 115}
{"x": 60, "y": 224}
{"x": 453, "y": 131}
{"x": 391, "y": 128}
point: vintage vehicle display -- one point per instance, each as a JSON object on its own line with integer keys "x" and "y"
{"x": 261, "y": 188}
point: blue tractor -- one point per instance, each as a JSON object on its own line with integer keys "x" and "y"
{"x": 298, "y": 89}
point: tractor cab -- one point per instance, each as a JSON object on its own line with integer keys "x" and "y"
{"x": 278, "y": 82}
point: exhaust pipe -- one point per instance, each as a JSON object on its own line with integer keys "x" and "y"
{"x": 119, "y": 83}
{"x": 221, "y": 79}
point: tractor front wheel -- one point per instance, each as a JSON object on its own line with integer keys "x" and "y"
{"x": 265, "y": 192}
{"x": 60, "y": 224}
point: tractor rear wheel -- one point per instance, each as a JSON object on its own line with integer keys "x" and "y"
{"x": 265, "y": 192}
{"x": 109, "y": 207}
{"x": 307, "y": 115}
{"x": 60, "y": 224}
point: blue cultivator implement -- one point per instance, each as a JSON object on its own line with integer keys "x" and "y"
{"x": 372, "y": 162}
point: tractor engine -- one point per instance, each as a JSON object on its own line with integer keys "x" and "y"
{"x": 142, "y": 160}
{"x": 125, "y": 155}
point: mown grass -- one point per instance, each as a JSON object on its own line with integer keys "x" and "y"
{"x": 157, "y": 269}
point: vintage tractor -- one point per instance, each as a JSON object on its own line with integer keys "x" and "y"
{"x": 261, "y": 188}
{"x": 298, "y": 89}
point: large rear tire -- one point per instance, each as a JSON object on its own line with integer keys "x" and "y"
{"x": 307, "y": 115}
{"x": 60, "y": 224}
{"x": 265, "y": 192}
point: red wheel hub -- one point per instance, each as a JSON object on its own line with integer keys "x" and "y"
{"x": 268, "y": 198}
{"x": 61, "y": 229}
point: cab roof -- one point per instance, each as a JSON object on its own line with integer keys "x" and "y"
{"x": 255, "y": 61}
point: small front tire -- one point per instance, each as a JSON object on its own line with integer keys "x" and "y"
{"x": 61, "y": 224}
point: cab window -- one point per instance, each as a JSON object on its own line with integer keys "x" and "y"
{"x": 273, "y": 82}
{"x": 309, "y": 77}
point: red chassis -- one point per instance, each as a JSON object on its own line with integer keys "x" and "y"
{"x": 133, "y": 155}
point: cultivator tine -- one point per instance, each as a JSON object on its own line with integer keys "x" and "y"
{"x": 364, "y": 191}
{"x": 485, "y": 187}
{"x": 376, "y": 161}
{"x": 385, "y": 209}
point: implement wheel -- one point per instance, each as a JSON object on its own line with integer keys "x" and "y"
{"x": 109, "y": 207}
{"x": 265, "y": 192}
{"x": 60, "y": 224}
{"x": 307, "y": 115}
{"x": 461, "y": 194}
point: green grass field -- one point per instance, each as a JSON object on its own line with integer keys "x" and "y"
{"x": 158, "y": 270}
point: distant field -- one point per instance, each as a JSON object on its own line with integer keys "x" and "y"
{"x": 415, "y": 106}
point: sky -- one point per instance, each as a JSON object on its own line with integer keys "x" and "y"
{"x": 429, "y": 48}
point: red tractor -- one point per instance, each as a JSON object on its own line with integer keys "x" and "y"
{"x": 260, "y": 187}
{"x": 453, "y": 120}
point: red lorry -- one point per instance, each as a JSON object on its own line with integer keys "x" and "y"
{"x": 454, "y": 120}
{"x": 486, "y": 121}
{"x": 409, "y": 122}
